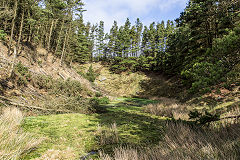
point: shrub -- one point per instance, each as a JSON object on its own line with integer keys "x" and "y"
{"x": 2, "y": 35}
{"x": 72, "y": 104}
{"x": 98, "y": 94}
{"x": 203, "y": 118}
{"x": 43, "y": 82}
{"x": 91, "y": 75}
{"x": 23, "y": 74}
{"x": 96, "y": 104}
{"x": 23, "y": 71}
{"x": 203, "y": 74}
{"x": 68, "y": 87}
{"x": 60, "y": 87}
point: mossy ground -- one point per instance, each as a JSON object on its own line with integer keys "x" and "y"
{"x": 80, "y": 132}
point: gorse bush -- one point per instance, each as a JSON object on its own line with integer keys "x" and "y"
{"x": 91, "y": 75}
{"x": 23, "y": 74}
{"x": 21, "y": 69}
{"x": 203, "y": 118}
{"x": 76, "y": 104}
{"x": 204, "y": 74}
{"x": 43, "y": 82}
{"x": 2, "y": 35}
{"x": 66, "y": 95}
{"x": 68, "y": 87}
{"x": 97, "y": 104}
{"x": 98, "y": 94}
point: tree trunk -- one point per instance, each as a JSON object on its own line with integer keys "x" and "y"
{"x": 64, "y": 44}
{"x": 50, "y": 35}
{"x": 13, "y": 26}
{"x": 20, "y": 32}
{"x": 13, "y": 63}
{"x": 30, "y": 28}
{"x": 63, "y": 49}
{"x": 59, "y": 38}
{"x": 37, "y": 34}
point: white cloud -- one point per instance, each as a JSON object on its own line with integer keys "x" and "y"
{"x": 119, "y": 10}
{"x": 168, "y": 4}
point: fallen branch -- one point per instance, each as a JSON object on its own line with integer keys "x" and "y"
{"x": 229, "y": 117}
{"x": 61, "y": 75}
{"x": 9, "y": 101}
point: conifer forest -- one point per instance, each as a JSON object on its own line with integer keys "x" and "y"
{"x": 166, "y": 90}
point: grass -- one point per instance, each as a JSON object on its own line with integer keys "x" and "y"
{"x": 125, "y": 84}
{"x": 187, "y": 143}
{"x": 75, "y": 131}
{"x": 77, "y": 134}
{"x": 13, "y": 141}
{"x": 126, "y": 132}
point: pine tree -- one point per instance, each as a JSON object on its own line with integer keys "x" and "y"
{"x": 100, "y": 40}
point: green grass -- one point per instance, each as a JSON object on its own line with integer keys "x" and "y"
{"x": 80, "y": 132}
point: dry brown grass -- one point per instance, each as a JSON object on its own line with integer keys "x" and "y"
{"x": 52, "y": 154}
{"x": 123, "y": 85}
{"x": 189, "y": 143}
{"x": 107, "y": 136}
{"x": 122, "y": 153}
{"x": 13, "y": 141}
{"x": 168, "y": 108}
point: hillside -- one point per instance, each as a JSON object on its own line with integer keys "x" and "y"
{"x": 37, "y": 83}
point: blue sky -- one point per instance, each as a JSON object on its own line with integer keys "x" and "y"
{"x": 147, "y": 10}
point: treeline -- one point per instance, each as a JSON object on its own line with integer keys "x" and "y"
{"x": 134, "y": 47}
{"x": 202, "y": 47}
{"x": 56, "y": 25}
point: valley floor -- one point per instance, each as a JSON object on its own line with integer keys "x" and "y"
{"x": 70, "y": 136}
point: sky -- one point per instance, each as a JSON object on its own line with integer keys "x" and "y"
{"x": 147, "y": 10}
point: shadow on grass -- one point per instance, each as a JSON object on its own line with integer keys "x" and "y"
{"x": 134, "y": 127}
{"x": 159, "y": 85}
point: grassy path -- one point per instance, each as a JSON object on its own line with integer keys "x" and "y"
{"x": 74, "y": 135}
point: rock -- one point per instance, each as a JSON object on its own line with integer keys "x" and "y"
{"x": 10, "y": 85}
{"x": 102, "y": 79}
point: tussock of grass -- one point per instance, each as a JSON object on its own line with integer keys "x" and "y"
{"x": 13, "y": 141}
{"x": 52, "y": 154}
{"x": 187, "y": 142}
{"x": 107, "y": 136}
{"x": 167, "y": 108}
